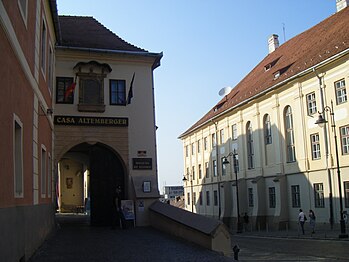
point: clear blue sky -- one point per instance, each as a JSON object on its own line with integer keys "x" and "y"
{"x": 207, "y": 45}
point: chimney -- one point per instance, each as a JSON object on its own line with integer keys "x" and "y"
{"x": 273, "y": 42}
{"x": 341, "y": 4}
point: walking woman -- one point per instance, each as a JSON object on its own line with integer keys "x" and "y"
{"x": 312, "y": 221}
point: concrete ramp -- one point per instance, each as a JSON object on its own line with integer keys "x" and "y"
{"x": 207, "y": 232}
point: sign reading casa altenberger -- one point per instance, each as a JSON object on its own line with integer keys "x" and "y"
{"x": 90, "y": 121}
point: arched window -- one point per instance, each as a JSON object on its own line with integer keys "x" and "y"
{"x": 267, "y": 130}
{"x": 249, "y": 145}
{"x": 289, "y": 135}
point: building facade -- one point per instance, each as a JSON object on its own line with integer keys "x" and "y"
{"x": 259, "y": 151}
{"x": 77, "y": 123}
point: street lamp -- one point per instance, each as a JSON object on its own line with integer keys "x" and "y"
{"x": 191, "y": 190}
{"x": 322, "y": 121}
{"x": 225, "y": 162}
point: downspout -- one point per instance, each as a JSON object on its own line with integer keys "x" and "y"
{"x": 322, "y": 99}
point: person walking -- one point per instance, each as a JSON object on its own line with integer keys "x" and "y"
{"x": 301, "y": 219}
{"x": 312, "y": 219}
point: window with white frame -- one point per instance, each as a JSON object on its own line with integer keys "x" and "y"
{"x": 200, "y": 171}
{"x": 234, "y": 132}
{"x": 221, "y": 136}
{"x": 192, "y": 148}
{"x": 249, "y": 145}
{"x": 208, "y": 198}
{"x": 117, "y": 92}
{"x": 296, "y": 196}
{"x": 250, "y": 197}
{"x": 290, "y": 146}
{"x": 267, "y": 130}
{"x": 215, "y": 197}
{"x": 205, "y": 143}
{"x": 214, "y": 142}
{"x": 344, "y": 131}
{"x": 18, "y": 157}
{"x": 311, "y": 103}
{"x": 199, "y": 146}
{"x": 186, "y": 151}
{"x": 214, "y": 167}
{"x": 346, "y": 193}
{"x": 341, "y": 92}
{"x": 315, "y": 146}
{"x": 43, "y": 171}
{"x": 43, "y": 46}
{"x": 319, "y": 198}
{"x": 224, "y": 167}
{"x": 207, "y": 170}
{"x": 272, "y": 197}
{"x": 63, "y": 93}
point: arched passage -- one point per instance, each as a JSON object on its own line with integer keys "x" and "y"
{"x": 88, "y": 177}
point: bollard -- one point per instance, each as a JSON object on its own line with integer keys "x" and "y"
{"x": 236, "y": 251}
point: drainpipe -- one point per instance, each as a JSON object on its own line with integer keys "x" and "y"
{"x": 322, "y": 99}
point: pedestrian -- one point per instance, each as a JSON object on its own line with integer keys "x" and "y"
{"x": 116, "y": 217}
{"x": 301, "y": 219}
{"x": 312, "y": 220}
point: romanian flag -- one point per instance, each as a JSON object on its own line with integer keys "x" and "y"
{"x": 70, "y": 89}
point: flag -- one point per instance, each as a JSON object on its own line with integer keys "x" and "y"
{"x": 70, "y": 89}
{"x": 130, "y": 92}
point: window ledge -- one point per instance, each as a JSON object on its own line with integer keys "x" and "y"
{"x": 91, "y": 108}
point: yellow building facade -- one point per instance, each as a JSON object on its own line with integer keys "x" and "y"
{"x": 262, "y": 138}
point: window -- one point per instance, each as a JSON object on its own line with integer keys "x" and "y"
{"x": 250, "y": 150}
{"x": 193, "y": 172}
{"x": 43, "y": 47}
{"x": 50, "y": 69}
{"x": 214, "y": 140}
{"x": 341, "y": 92}
{"x": 311, "y": 103}
{"x": 62, "y": 85}
{"x": 224, "y": 167}
{"x": 192, "y": 149}
{"x": 214, "y": 166}
{"x": 296, "y": 198}
{"x": 267, "y": 130}
{"x": 250, "y": 197}
{"x": 43, "y": 172}
{"x": 345, "y": 139}
{"x": 194, "y": 198}
{"x": 18, "y": 157}
{"x": 200, "y": 198}
{"x": 272, "y": 198}
{"x": 319, "y": 195}
{"x": 346, "y": 193}
{"x": 234, "y": 132}
{"x": 207, "y": 198}
{"x": 221, "y": 136}
{"x": 117, "y": 89}
{"x": 315, "y": 146}
{"x": 205, "y": 143}
{"x": 215, "y": 197}
{"x": 199, "y": 146}
{"x": 188, "y": 199}
{"x": 186, "y": 151}
{"x": 290, "y": 147}
{"x": 200, "y": 171}
{"x": 207, "y": 170}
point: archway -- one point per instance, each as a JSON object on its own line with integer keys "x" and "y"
{"x": 88, "y": 177}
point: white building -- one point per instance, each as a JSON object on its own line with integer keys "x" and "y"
{"x": 284, "y": 161}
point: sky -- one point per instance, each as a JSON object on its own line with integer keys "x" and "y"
{"x": 206, "y": 44}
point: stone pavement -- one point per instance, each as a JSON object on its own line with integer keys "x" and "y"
{"x": 76, "y": 241}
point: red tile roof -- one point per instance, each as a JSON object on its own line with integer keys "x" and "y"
{"x": 304, "y": 51}
{"x": 87, "y": 32}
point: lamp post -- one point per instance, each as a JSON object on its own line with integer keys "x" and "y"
{"x": 225, "y": 162}
{"x": 321, "y": 121}
{"x": 191, "y": 190}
